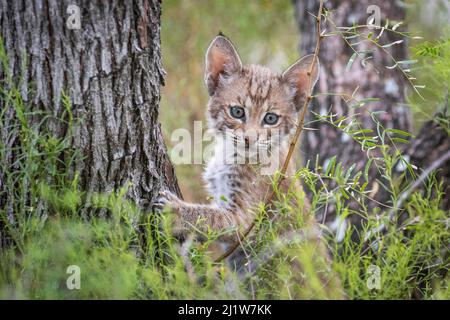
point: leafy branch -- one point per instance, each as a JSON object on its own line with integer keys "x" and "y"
{"x": 348, "y": 33}
{"x": 295, "y": 138}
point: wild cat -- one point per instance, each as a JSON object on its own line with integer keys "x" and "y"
{"x": 252, "y": 107}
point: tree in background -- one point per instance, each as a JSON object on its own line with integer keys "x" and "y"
{"x": 369, "y": 71}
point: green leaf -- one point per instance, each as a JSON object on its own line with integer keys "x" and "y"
{"x": 330, "y": 165}
{"x": 363, "y": 102}
{"x": 397, "y": 25}
{"x": 392, "y": 44}
{"x": 346, "y": 196}
{"x": 367, "y": 168}
{"x": 351, "y": 37}
{"x": 399, "y": 132}
{"x": 408, "y": 62}
{"x": 363, "y": 187}
{"x": 350, "y": 61}
{"x": 395, "y": 139}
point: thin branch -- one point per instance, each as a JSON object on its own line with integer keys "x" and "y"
{"x": 294, "y": 140}
{"x": 375, "y": 43}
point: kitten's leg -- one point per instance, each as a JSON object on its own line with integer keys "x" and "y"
{"x": 203, "y": 216}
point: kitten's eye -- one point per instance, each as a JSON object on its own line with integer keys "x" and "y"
{"x": 271, "y": 118}
{"x": 237, "y": 112}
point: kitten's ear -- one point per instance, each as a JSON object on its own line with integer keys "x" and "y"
{"x": 297, "y": 77}
{"x": 221, "y": 59}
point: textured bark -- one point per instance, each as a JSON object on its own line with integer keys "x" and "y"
{"x": 374, "y": 81}
{"x": 111, "y": 70}
{"x": 430, "y": 150}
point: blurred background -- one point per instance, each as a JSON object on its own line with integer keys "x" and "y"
{"x": 265, "y": 32}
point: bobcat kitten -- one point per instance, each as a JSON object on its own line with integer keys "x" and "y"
{"x": 257, "y": 109}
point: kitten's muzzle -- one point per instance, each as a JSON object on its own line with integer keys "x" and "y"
{"x": 247, "y": 143}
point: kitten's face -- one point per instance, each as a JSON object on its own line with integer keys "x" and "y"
{"x": 253, "y": 99}
{"x": 251, "y": 102}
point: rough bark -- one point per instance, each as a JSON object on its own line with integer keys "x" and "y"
{"x": 430, "y": 150}
{"x": 111, "y": 70}
{"x": 373, "y": 81}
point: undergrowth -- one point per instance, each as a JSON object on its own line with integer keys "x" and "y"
{"x": 131, "y": 254}
{"x": 50, "y": 226}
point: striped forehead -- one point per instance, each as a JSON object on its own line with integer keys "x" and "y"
{"x": 260, "y": 82}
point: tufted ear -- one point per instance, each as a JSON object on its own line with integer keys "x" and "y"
{"x": 297, "y": 77}
{"x": 221, "y": 59}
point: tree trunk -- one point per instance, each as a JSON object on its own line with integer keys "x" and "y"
{"x": 430, "y": 151}
{"x": 372, "y": 81}
{"x": 111, "y": 70}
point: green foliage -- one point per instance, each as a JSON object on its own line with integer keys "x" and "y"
{"x": 409, "y": 256}
{"x": 129, "y": 254}
{"x": 433, "y": 71}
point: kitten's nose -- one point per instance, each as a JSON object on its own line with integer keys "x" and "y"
{"x": 250, "y": 141}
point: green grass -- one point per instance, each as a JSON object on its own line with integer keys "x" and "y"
{"x": 434, "y": 72}
{"x": 130, "y": 254}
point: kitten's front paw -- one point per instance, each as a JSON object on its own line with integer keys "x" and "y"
{"x": 172, "y": 203}
{"x": 166, "y": 199}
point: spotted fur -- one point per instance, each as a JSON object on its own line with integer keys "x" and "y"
{"x": 237, "y": 188}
